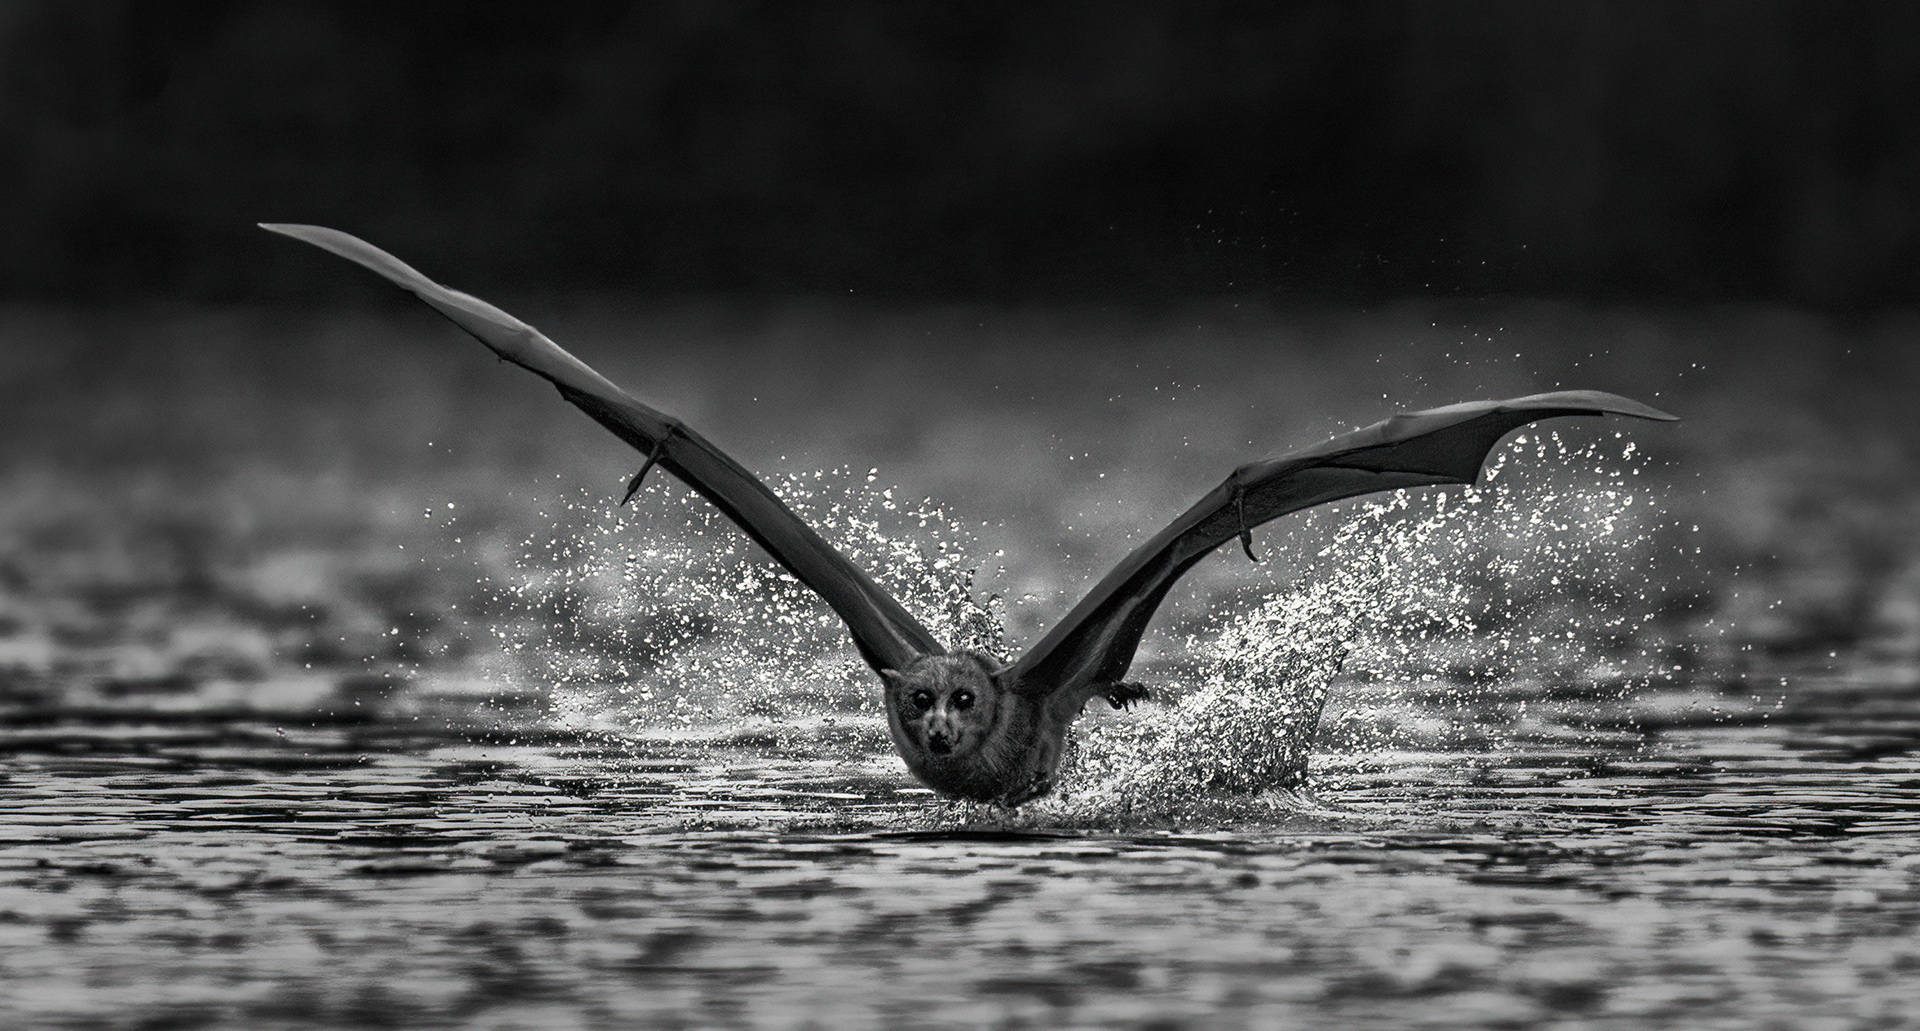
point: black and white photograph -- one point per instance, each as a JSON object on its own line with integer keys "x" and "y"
{"x": 1373, "y": 514}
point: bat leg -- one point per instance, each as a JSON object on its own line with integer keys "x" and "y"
{"x": 653, "y": 459}
{"x": 1123, "y": 695}
{"x": 1040, "y": 786}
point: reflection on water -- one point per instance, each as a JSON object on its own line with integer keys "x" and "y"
{"x": 1611, "y": 863}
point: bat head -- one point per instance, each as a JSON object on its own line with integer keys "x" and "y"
{"x": 943, "y": 707}
{"x": 966, "y": 731}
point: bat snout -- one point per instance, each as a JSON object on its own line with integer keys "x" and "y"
{"x": 941, "y": 733}
{"x": 941, "y": 738}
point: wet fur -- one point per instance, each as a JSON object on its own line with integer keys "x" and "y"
{"x": 1011, "y": 740}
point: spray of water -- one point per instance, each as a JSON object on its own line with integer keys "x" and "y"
{"x": 665, "y": 619}
{"x": 1422, "y": 606}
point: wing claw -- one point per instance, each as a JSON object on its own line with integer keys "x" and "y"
{"x": 1240, "y": 509}
{"x": 653, "y": 459}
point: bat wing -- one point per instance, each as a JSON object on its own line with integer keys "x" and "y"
{"x": 1095, "y": 643}
{"x": 886, "y": 635}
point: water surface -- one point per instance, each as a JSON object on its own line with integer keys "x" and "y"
{"x": 1647, "y": 868}
{"x": 333, "y": 693}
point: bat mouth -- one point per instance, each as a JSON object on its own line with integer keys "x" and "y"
{"x": 939, "y": 744}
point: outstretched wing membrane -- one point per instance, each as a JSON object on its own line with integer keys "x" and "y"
{"x": 885, "y": 634}
{"x": 1096, "y": 642}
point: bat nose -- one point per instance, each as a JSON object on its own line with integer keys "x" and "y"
{"x": 939, "y": 740}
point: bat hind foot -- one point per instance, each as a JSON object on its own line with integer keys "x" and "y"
{"x": 1040, "y": 785}
{"x": 1122, "y": 696}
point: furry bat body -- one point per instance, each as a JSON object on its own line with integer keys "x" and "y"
{"x": 968, "y": 724}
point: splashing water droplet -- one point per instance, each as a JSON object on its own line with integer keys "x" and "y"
{"x": 1424, "y": 598}
{"x": 1414, "y": 607}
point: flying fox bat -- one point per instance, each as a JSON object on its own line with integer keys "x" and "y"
{"x": 969, "y": 724}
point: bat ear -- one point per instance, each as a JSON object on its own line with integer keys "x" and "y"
{"x": 892, "y": 677}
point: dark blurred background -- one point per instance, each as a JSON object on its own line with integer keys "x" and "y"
{"x": 1740, "y": 150}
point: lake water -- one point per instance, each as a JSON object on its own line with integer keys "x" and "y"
{"x": 1651, "y": 863}
{"x": 315, "y": 721}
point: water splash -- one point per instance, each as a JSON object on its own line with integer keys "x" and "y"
{"x": 1410, "y": 609}
{"x": 1237, "y": 742}
{"x": 1418, "y": 606}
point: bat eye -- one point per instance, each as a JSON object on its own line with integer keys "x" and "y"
{"x": 963, "y": 699}
{"x": 922, "y": 699}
